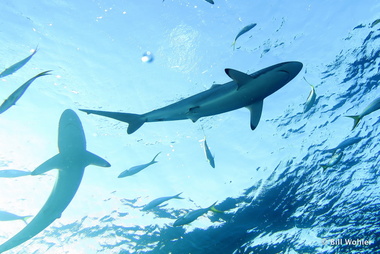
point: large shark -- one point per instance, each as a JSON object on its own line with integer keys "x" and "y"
{"x": 71, "y": 162}
{"x": 244, "y": 91}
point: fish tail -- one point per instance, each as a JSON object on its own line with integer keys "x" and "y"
{"x": 135, "y": 121}
{"x": 154, "y": 159}
{"x": 233, "y": 45}
{"x": 212, "y": 208}
{"x": 25, "y": 218}
{"x": 177, "y": 196}
{"x": 356, "y": 118}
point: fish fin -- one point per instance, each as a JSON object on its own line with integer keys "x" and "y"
{"x": 256, "y": 110}
{"x": 324, "y": 166}
{"x": 154, "y": 159}
{"x": 135, "y": 121}
{"x": 25, "y": 218}
{"x": 190, "y": 113}
{"x": 177, "y": 196}
{"x": 52, "y": 163}
{"x": 94, "y": 159}
{"x": 233, "y": 44}
{"x": 239, "y": 77}
{"x": 212, "y": 208}
{"x": 356, "y": 120}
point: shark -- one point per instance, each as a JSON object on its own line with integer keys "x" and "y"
{"x": 244, "y": 90}
{"x": 71, "y": 161}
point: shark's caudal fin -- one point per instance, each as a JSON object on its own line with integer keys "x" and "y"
{"x": 57, "y": 161}
{"x": 356, "y": 120}
{"x": 135, "y": 121}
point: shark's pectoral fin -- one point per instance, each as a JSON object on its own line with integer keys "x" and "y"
{"x": 53, "y": 162}
{"x": 93, "y": 159}
{"x": 239, "y": 77}
{"x": 255, "y": 109}
{"x": 191, "y": 114}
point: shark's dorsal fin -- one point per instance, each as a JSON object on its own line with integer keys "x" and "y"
{"x": 256, "y": 109}
{"x": 239, "y": 77}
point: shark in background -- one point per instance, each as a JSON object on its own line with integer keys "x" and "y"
{"x": 244, "y": 91}
{"x": 71, "y": 161}
{"x": 15, "y": 67}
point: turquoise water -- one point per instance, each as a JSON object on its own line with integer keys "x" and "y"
{"x": 276, "y": 197}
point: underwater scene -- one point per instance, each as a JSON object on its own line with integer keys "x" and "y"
{"x": 189, "y": 126}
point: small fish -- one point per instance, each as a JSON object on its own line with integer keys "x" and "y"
{"x": 16, "y": 95}
{"x": 243, "y": 31}
{"x": 136, "y": 169}
{"x": 158, "y": 201}
{"x": 12, "y": 69}
{"x": 193, "y": 215}
{"x": 6, "y": 216}
{"x": 310, "y": 99}
{"x": 11, "y": 173}
{"x": 208, "y": 154}
{"x": 375, "y": 105}
{"x": 333, "y": 161}
{"x": 374, "y": 23}
{"x": 342, "y": 145}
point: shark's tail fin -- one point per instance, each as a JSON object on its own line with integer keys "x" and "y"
{"x": 135, "y": 121}
{"x": 356, "y": 120}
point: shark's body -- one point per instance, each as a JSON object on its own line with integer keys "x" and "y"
{"x": 193, "y": 215}
{"x": 16, "y": 95}
{"x": 12, "y": 69}
{"x": 373, "y": 106}
{"x": 158, "y": 201}
{"x": 244, "y": 91}
{"x": 71, "y": 162}
{"x": 209, "y": 156}
{"x": 7, "y": 216}
{"x": 138, "y": 168}
{"x": 11, "y": 173}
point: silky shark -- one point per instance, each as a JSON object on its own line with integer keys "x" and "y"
{"x": 71, "y": 162}
{"x": 244, "y": 91}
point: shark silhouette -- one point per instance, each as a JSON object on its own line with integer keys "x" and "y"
{"x": 71, "y": 162}
{"x": 244, "y": 91}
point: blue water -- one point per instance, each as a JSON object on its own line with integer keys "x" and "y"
{"x": 276, "y": 197}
